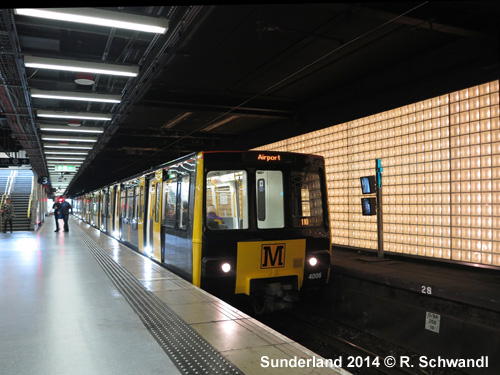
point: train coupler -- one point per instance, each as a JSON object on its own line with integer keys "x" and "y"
{"x": 276, "y": 297}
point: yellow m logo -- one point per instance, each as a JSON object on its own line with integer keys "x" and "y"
{"x": 273, "y": 256}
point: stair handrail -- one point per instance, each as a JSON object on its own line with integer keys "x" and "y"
{"x": 8, "y": 187}
{"x": 31, "y": 197}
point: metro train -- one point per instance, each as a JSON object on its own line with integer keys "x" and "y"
{"x": 246, "y": 222}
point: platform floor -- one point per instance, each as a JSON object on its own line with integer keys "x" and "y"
{"x": 83, "y": 303}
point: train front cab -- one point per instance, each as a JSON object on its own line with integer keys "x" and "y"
{"x": 274, "y": 233}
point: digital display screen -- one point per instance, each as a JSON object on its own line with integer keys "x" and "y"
{"x": 368, "y": 184}
{"x": 369, "y": 206}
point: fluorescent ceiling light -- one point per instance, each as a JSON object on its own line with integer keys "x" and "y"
{"x": 54, "y": 163}
{"x": 75, "y": 115}
{"x": 100, "y": 17}
{"x": 62, "y": 128}
{"x": 220, "y": 123}
{"x": 48, "y": 145}
{"x": 62, "y": 157}
{"x": 64, "y": 153}
{"x": 67, "y": 139}
{"x": 80, "y": 66}
{"x": 82, "y": 96}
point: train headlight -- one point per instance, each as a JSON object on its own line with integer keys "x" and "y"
{"x": 313, "y": 261}
{"x": 216, "y": 267}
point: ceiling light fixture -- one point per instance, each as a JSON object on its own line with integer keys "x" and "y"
{"x": 67, "y": 139}
{"x": 220, "y": 123}
{"x": 67, "y": 147}
{"x": 100, "y": 17}
{"x": 62, "y": 158}
{"x": 82, "y": 96}
{"x": 62, "y": 128}
{"x": 75, "y": 163}
{"x": 64, "y": 153}
{"x": 80, "y": 66}
{"x": 75, "y": 115}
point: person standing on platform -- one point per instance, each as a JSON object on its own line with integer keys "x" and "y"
{"x": 64, "y": 213}
{"x": 56, "y": 207}
{"x": 8, "y": 214}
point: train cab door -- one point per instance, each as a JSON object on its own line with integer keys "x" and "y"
{"x": 142, "y": 216}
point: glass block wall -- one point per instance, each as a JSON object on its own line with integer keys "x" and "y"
{"x": 441, "y": 177}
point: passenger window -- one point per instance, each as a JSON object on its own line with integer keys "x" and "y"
{"x": 306, "y": 199}
{"x": 141, "y": 203}
{"x": 184, "y": 203}
{"x": 157, "y": 198}
{"x": 169, "y": 202}
{"x": 136, "y": 204}
{"x": 270, "y": 206}
{"x": 226, "y": 200}
{"x": 123, "y": 203}
{"x": 130, "y": 203}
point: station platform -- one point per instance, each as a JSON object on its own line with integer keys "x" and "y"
{"x": 83, "y": 303}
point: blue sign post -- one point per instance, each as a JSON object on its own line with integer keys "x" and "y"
{"x": 380, "y": 222}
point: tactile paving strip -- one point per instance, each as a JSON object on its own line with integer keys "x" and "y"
{"x": 185, "y": 347}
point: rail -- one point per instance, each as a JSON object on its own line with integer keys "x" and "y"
{"x": 8, "y": 187}
{"x": 28, "y": 214}
{"x": 6, "y": 194}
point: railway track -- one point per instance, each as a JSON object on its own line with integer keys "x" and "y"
{"x": 360, "y": 353}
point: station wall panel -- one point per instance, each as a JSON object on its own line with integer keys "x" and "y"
{"x": 441, "y": 177}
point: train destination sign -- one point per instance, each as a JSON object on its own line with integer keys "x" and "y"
{"x": 269, "y": 157}
{"x": 65, "y": 168}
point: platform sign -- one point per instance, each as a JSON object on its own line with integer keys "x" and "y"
{"x": 432, "y": 322}
{"x": 14, "y": 161}
{"x": 65, "y": 168}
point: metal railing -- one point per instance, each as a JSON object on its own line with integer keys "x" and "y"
{"x": 8, "y": 187}
{"x": 31, "y": 197}
{"x": 6, "y": 194}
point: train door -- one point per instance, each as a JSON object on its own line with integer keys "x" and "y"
{"x": 111, "y": 226}
{"x": 99, "y": 209}
{"x": 141, "y": 217}
{"x": 104, "y": 211}
{"x": 116, "y": 212}
{"x": 157, "y": 216}
{"x": 270, "y": 205}
{"x": 122, "y": 208}
{"x": 150, "y": 206}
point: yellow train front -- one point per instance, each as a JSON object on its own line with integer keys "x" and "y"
{"x": 253, "y": 223}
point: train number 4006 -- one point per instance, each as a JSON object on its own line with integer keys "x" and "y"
{"x": 314, "y": 276}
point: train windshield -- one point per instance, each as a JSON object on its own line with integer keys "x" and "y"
{"x": 306, "y": 199}
{"x": 227, "y": 201}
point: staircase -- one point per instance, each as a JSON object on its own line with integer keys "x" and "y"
{"x": 20, "y": 197}
{"x": 4, "y": 176}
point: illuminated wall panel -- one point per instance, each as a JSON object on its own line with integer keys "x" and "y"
{"x": 441, "y": 178}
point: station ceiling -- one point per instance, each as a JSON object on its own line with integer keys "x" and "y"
{"x": 231, "y": 77}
